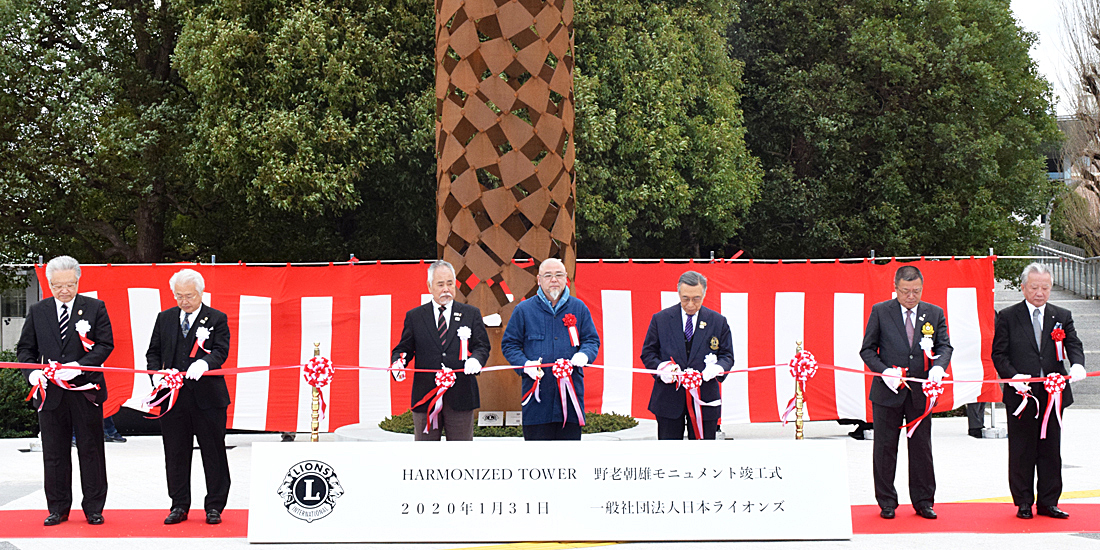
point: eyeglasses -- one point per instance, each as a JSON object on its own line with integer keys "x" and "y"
{"x": 691, "y": 299}
{"x": 909, "y": 292}
{"x": 187, "y": 297}
{"x": 63, "y": 286}
{"x": 549, "y": 276}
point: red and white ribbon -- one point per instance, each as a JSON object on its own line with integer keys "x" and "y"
{"x": 534, "y": 391}
{"x": 1054, "y": 384}
{"x": 932, "y": 392}
{"x": 50, "y": 373}
{"x": 803, "y": 367}
{"x": 202, "y": 334}
{"x": 1058, "y": 335}
{"x": 570, "y": 322}
{"x": 1024, "y": 396}
{"x": 318, "y": 372}
{"x": 563, "y": 371}
{"x": 464, "y": 337}
{"x": 691, "y": 380}
{"x": 172, "y": 382}
{"x": 82, "y": 328}
{"x": 444, "y": 380}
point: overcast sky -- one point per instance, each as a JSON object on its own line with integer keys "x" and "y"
{"x": 1043, "y": 17}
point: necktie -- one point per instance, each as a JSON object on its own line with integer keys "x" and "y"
{"x": 689, "y": 328}
{"x": 909, "y": 325}
{"x": 186, "y": 325}
{"x": 1037, "y": 324}
{"x": 442, "y": 325}
{"x": 63, "y": 323}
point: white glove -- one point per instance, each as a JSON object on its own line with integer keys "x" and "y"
{"x": 67, "y": 374}
{"x": 472, "y": 366}
{"x": 398, "y": 371}
{"x": 197, "y": 369}
{"x": 936, "y": 374}
{"x": 712, "y": 370}
{"x": 579, "y": 359}
{"x": 1020, "y": 386}
{"x": 668, "y": 371}
{"x": 892, "y": 378}
{"x": 37, "y": 377}
{"x": 533, "y": 371}
{"x": 1077, "y": 373}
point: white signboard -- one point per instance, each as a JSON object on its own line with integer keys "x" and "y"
{"x": 501, "y": 491}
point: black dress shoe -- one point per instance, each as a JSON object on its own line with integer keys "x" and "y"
{"x": 213, "y": 517}
{"x": 54, "y": 519}
{"x": 1024, "y": 512}
{"x": 927, "y": 512}
{"x": 886, "y": 513}
{"x": 857, "y": 434}
{"x": 975, "y": 433}
{"x": 1051, "y": 512}
{"x": 175, "y": 516}
{"x": 95, "y": 518}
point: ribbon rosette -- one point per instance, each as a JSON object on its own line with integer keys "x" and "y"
{"x": 570, "y": 322}
{"x": 464, "y": 337}
{"x": 82, "y": 328}
{"x": 1058, "y": 335}
{"x": 691, "y": 380}
{"x": 563, "y": 371}
{"x": 202, "y": 334}
{"x": 932, "y": 392}
{"x": 1054, "y": 384}
{"x": 172, "y": 382}
{"x": 444, "y": 379}
{"x": 803, "y": 367}
{"x": 318, "y": 372}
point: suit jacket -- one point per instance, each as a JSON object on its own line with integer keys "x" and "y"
{"x": 168, "y": 349}
{"x": 1015, "y": 351}
{"x": 40, "y": 342}
{"x": 665, "y": 339}
{"x": 886, "y": 345}
{"x": 420, "y": 341}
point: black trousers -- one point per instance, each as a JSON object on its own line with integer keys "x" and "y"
{"x": 76, "y": 415}
{"x": 922, "y": 477}
{"x": 673, "y": 428}
{"x": 552, "y": 431}
{"x": 179, "y": 429}
{"x": 1028, "y": 455}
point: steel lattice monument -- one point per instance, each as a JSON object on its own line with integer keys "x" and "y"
{"x": 504, "y": 143}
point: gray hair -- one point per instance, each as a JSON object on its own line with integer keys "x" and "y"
{"x": 1034, "y": 267}
{"x": 185, "y": 276}
{"x": 692, "y": 278}
{"x": 62, "y": 263}
{"x": 907, "y": 273}
{"x": 438, "y": 264}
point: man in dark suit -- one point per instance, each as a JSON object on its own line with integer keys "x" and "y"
{"x": 898, "y": 333}
{"x": 73, "y": 330}
{"x": 1023, "y": 347}
{"x": 681, "y": 337}
{"x": 433, "y": 335}
{"x": 193, "y": 337}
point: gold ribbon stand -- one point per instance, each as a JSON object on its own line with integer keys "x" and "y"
{"x": 315, "y": 422}
{"x": 797, "y": 398}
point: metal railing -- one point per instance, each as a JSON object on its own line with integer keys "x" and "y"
{"x": 1071, "y": 269}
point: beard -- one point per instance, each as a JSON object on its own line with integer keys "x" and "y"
{"x": 554, "y": 294}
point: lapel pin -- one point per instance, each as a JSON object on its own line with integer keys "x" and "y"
{"x": 702, "y": 324}
{"x": 80, "y": 312}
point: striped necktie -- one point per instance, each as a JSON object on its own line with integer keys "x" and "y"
{"x": 442, "y": 326}
{"x": 63, "y": 323}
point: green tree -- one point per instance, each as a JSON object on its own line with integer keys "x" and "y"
{"x": 662, "y": 167}
{"x": 92, "y": 120}
{"x": 890, "y": 125}
{"x": 315, "y": 128}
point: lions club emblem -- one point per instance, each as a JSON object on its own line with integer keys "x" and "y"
{"x": 310, "y": 490}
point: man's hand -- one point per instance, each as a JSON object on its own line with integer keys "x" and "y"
{"x": 398, "y": 371}
{"x": 892, "y": 377}
{"x": 531, "y": 369}
{"x": 668, "y": 371}
{"x": 37, "y": 378}
{"x": 712, "y": 370}
{"x": 472, "y": 366}
{"x": 1020, "y": 386}
{"x": 1077, "y": 373}
{"x": 579, "y": 359}
{"x": 69, "y": 374}
{"x": 197, "y": 369}
{"x": 936, "y": 374}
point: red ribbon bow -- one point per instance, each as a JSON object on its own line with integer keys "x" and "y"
{"x": 1054, "y": 384}
{"x": 932, "y": 392}
{"x": 563, "y": 371}
{"x": 318, "y": 372}
{"x": 691, "y": 380}
{"x": 50, "y": 373}
{"x": 172, "y": 382}
{"x": 1058, "y": 335}
{"x": 444, "y": 379}
{"x": 803, "y": 367}
{"x": 570, "y": 322}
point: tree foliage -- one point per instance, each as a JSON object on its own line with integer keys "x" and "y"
{"x": 662, "y": 167}
{"x": 904, "y": 127}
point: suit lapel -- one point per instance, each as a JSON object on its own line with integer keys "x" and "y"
{"x": 678, "y": 352}
{"x": 1024, "y": 316}
{"x": 698, "y": 338}
{"x": 430, "y": 322}
{"x": 452, "y": 325}
{"x": 896, "y": 315}
{"x": 1048, "y": 327}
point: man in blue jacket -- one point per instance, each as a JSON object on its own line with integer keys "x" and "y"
{"x": 549, "y": 326}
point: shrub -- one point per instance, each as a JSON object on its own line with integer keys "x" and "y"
{"x": 17, "y": 416}
{"x": 594, "y": 423}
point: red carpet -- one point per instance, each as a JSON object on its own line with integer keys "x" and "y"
{"x": 953, "y": 518}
